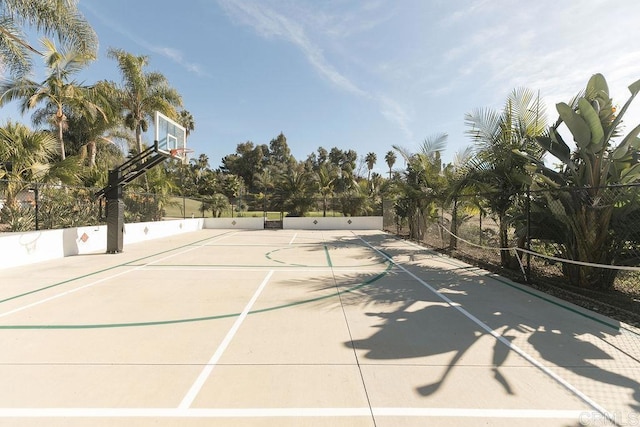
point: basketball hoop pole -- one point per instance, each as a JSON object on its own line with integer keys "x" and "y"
{"x": 119, "y": 177}
{"x": 170, "y": 143}
{"x": 115, "y": 213}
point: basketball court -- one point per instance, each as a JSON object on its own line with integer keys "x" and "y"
{"x": 301, "y": 328}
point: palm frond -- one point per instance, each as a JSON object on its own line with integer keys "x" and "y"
{"x": 485, "y": 125}
{"x": 433, "y": 144}
{"x": 404, "y": 152}
{"x": 461, "y": 157}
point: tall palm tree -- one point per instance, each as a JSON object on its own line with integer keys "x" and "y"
{"x": 142, "y": 93}
{"x": 390, "y": 158}
{"x": 57, "y": 92}
{"x": 59, "y": 18}
{"x": 370, "y": 160}
{"x": 186, "y": 121}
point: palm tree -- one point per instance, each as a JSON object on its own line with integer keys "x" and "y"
{"x": 264, "y": 180}
{"x": 85, "y": 135}
{"x": 186, "y": 121}
{"x": 370, "y": 159}
{"x": 325, "y": 179}
{"x": 423, "y": 184}
{"x": 143, "y": 93}
{"x": 26, "y": 158}
{"x": 59, "y": 18}
{"x": 390, "y": 158}
{"x": 295, "y": 189}
{"x": 56, "y": 91}
{"x": 162, "y": 186}
{"x": 496, "y": 169}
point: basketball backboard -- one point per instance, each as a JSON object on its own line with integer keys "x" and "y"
{"x": 171, "y": 137}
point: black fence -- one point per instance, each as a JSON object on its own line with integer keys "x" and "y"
{"x": 27, "y": 206}
{"x": 545, "y": 234}
{"x": 274, "y": 205}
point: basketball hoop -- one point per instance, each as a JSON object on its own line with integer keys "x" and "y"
{"x": 180, "y": 153}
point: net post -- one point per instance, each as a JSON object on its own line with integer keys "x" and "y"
{"x": 528, "y": 242}
{"x": 453, "y": 243}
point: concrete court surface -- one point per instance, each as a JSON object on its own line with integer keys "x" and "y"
{"x": 301, "y": 328}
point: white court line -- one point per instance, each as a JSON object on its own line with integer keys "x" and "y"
{"x": 104, "y": 279}
{"x": 291, "y": 412}
{"x": 202, "y": 378}
{"x": 292, "y": 239}
{"x": 250, "y": 245}
{"x": 592, "y": 403}
{"x": 345, "y": 269}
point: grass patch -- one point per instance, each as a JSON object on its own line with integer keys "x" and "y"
{"x": 192, "y": 209}
{"x": 175, "y": 210}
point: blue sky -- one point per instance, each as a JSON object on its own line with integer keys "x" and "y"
{"x": 364, "y": 75}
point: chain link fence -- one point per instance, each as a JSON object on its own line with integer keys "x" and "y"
{"x": 540, "y": 230}
{"x": 275, "y": 206}
{"x": 27, "y": 206}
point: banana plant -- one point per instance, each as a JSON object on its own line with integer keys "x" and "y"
{"x": 584, "y": 208}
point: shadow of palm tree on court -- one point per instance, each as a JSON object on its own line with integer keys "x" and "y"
{"x": 412, "y": 321}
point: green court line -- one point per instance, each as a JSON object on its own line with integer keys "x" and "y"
{"x": 214, "y": 267}
{"x": 553, "y": 302}
{"x": 93, "y": 273}
{"x": 377, "y": 277}
{"x": 326, "y": 251}
{"x": 269, "y": 256}
{"x": 220, "y": 266}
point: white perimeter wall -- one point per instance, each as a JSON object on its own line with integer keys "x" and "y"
{"x": 249, "y": 223}
{"x": 334, "y": 223}
{"x": 35, "y": 246}
{"x": 27, "y": 248}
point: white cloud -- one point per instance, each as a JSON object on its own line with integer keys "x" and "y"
{"x": 269, "y": 23}
{"x": 395, "y": 113}
{"x": 444, "y": 59}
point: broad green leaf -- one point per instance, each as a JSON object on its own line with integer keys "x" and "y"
{"x": 634, "y": 88}
{"x": 576, "y": 124}
{"x": 597, "y": 85}
{"x": 559, "y": 146}
{"x": 590, "y": 116}
{"x": 630, "y": 140}
{"x": 630, "y": 175}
